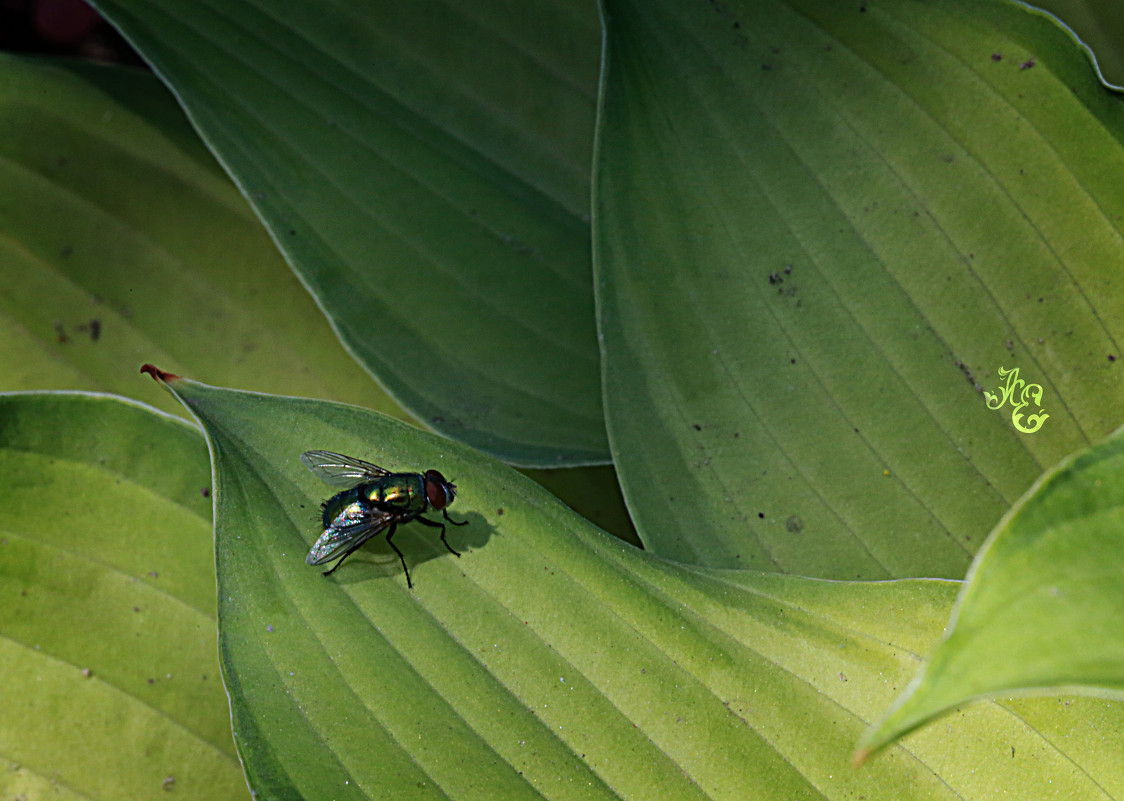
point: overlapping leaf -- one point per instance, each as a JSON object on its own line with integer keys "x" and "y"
{"x": 551, "y": 660}
{"x": 425, "y": 168}
{"x": 111, "y": 689}
{"x": 821, "y": 229}
{"x": 1100, "y": 25}
{"x": 1043, "y": 607}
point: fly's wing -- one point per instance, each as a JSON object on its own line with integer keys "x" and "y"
{"x": 349, "y": 530}
{"x": 339, "y": 470}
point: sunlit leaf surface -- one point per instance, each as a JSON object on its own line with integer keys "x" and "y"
{"x": 553, "y": 661}
{"x": 121, "y": 241}
{"x": 1043, "y": 607}
{"x": 110, "y": 684}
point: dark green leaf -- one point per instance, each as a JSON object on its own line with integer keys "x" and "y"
{"x": 425, "y": 168}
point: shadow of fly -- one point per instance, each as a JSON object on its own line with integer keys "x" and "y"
{"x": 373, "y": 500}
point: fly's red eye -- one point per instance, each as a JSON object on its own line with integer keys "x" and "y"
{"x": 437, "y": 490}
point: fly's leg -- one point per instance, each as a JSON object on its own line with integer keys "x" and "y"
{"x": 435, "y": 524}
{"x": 451, "y": 520}
{"x": 346, "y": 554}
{"x": 401, "y": 558}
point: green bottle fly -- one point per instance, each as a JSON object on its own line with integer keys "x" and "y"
{"x": 375, "y": 500}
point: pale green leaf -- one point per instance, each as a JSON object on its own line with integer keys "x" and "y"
{"x": 553, "y": 661}
{"x": 110, "y": 684}
{"x": 425, "y": 168}
{"x": 122, "y": 241}
{"x": 1043, "y": 606}
{"x": 821, "y": 228}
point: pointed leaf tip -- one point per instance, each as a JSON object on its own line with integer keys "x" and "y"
{"x": 157, "y": 374}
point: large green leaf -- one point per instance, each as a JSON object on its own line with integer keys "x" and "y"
{"x": 121, "y": 239}
{"x": 821, "y": 228}
{"x": 109, "y": 684}
{"x": 1043, "y": 607}
{"x": 425, "y": 168}
{"x": 553, "y": 661}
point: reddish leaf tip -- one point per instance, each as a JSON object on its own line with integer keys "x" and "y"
{"x": 158, "y": 374}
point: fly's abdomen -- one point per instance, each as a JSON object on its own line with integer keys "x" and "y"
{"x": 398, "y": 492}
{"x": 338, "y": 503}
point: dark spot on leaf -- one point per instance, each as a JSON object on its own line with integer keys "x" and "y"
{"x": 761, "y": 515}
{"x": 996, "y": 57}
{"x": 794, "y": 524}
{"x": 1027, "y": 64}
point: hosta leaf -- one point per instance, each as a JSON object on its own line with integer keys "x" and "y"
{"x": 821, "y": 229}
{"x": 121, "y": 239}
{"x": 553, "y": 661}
{"x": 1043, "y": 607}
{"x": 110, "y": 687}
{"x": 424, "y": 167}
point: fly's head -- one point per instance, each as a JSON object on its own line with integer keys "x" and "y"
{"x": 438, "y": 491}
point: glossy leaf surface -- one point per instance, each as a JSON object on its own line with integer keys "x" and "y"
{"x": 1043, "y": 607}
{"x": 425, "y": 169}
{"x": 554, "y": 661}
{"x": 821, "y": 229}
{"x": 121, "y": 241}
{"x": 111, "y": 687}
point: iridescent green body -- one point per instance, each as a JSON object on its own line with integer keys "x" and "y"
{"x": 402, "y": 493}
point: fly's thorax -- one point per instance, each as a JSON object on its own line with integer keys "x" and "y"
{"x": 400, "y": 492}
